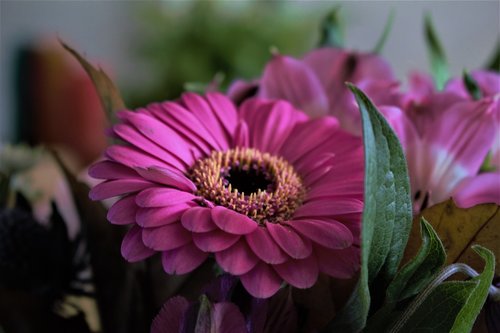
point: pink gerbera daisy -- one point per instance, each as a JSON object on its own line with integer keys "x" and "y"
{"x": 270, "y": 193}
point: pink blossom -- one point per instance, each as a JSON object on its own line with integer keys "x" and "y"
{"x": 273, "y": 195}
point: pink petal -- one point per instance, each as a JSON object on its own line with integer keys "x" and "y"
{"x": 183, "y": 259}
{"x": 328, "y": 207}
{"x": 239, "y": 90}
{"x": 333, "y": 235}
{"x": 111, "y": 170}
{"x": 214, "y": 241}
{"x": 155, "y": 217}
{"x": 241, "y": 136}
{"x": 338, "y": 263}
{"x": 113, "y": 188}
{"x": 162, "y": 197}
{"x": 290, "y": 79}
{"x": 224, "y": 110}
{"x": 130, "y": 134}
{"x": 169, "y": 177}
{"x": 133, "y": 249}
{"x": 170, "y": 317}
{"x": 198, "y": 219}
{"x": 167, "y": 237}
{"x": 227, "y": 318}
{"x": 232, "y": 222}
{"x": 238, "y": 259}
{"x": 262, "y": 281}
{"x": 265, "y": 247}
{"x": 162, "y": 135}
{"x": 123, "y": 211}
{"x": 294, "y": 245}
{"x": 133, "y": 157}
{"x": 481, "y": 189}
{"x": 335, "y": 190}
{"x": 300, "y": 273}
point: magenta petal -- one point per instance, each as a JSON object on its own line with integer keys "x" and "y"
{"x": 227, "y": 318}
{"x": 198, "y": 219}
{"x": 238, "y": 259}
{"x": 132, "y": 157}
{"x": 300, "y": 273}
{"x": 224, "y": 110}
{"x": 155, "y": 217}
{"x": 331, "y": 234}
{"x": 483, "y": 188}
{"x": 113, "y": 188}
{"x": 262, "y": 281}
{"x": 328, "y": 207}
{"x": 167, "y": 237}
{"x": 111, "y": 170}
{"x": 133, "y": 249}
{"x": 123, "y": 211}
{"x": 162, "y": 196}
{"x": 232, "y": 222}
{"x": 265, "y": 247}
{"x": 170, "y": 317}
{"x": 294, "y": 245}
{"x": 183, "y": 259}
{"x": 214, "y": 241}
{"x": 169, "y": 177}
{"x": 241, "y": 138}
{"x": 338, "y": 263}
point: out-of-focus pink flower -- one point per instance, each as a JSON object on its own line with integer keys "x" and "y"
{"x": 316, "y": 83}
{"x": 272, "y": 194}
{"x": 446, "y": 138}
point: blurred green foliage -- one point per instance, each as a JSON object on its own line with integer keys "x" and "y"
{"x": 185, "y": 42}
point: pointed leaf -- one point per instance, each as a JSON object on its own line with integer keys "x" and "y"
{"x": 332, "y": 34}
{"x": 472, "y": 86}
{"x": 437, "y": 57}
{"x": 385, "y": 33}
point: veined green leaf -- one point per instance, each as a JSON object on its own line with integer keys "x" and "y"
{"x": 332, "y": 34}
{"x": 109, "y": 94}
{"x": 439, "y": 64}
{"x": 472, "y": 86}
{"x": 387, "y": 214}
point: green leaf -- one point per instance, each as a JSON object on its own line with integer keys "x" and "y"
{"x": 205, "y": 314}
{"x": 385, "y": 33}
{"x": 387, "y": 214}
{"x": 109, "y": 94}
{"x": 467, "y": 315}
{"x": 472, "y": 86}
{"x": 494, "y": 62}
{"x": 332, "y": 34}
{"x": 439, "y": 64}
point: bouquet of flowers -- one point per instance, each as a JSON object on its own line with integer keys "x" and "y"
{"x": 318, "y": 197}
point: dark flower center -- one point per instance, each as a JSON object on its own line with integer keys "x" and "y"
{"x": 264, "y": 187}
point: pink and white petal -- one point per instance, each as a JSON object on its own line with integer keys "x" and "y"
{"x": 214, "y": 241}
{"x": 262, "y": 281}
{"x": 161, "y": 134}
{"x": 113, "y": 188}
{"x": 265, "y": 247}
{"x": 480, "y": 189}
{"x": 292, "y": 80}
{"x": 138, "y": 140}
{"x": 183, "y": 260}
{"x": 158, "y": 216}
{"x": 224, "y": 110}
{"x": 343, "y": 263}
{"x": 111, "y": 170}
{"x": 162, "y": 197}
{"x": 133, "y": 249}
{"x": 133, "y": 157}
{"x": 123, "y": 211}
{"x": 300, "y": 273}
{"x": 294, "y": 245}
{"x": 198, "y": 219}
{"x": 227, "y": 318}
{"x": 232, "y": 222}
{"x": 167, "y": 237}
{"x": 171, "y": 315}
{"x": 169, "y": 177}
{"x": 328, "y": 207}
{"x": 400, "y": 123}
{"x": 331, "y": 234}
{"x": 202, "y": 110}
{"x": 237, "y": 259}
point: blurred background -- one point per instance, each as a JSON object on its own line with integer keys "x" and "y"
{"x": 152, "y": 49}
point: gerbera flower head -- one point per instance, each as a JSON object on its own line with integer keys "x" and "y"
{"x": 273, "y": 195}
